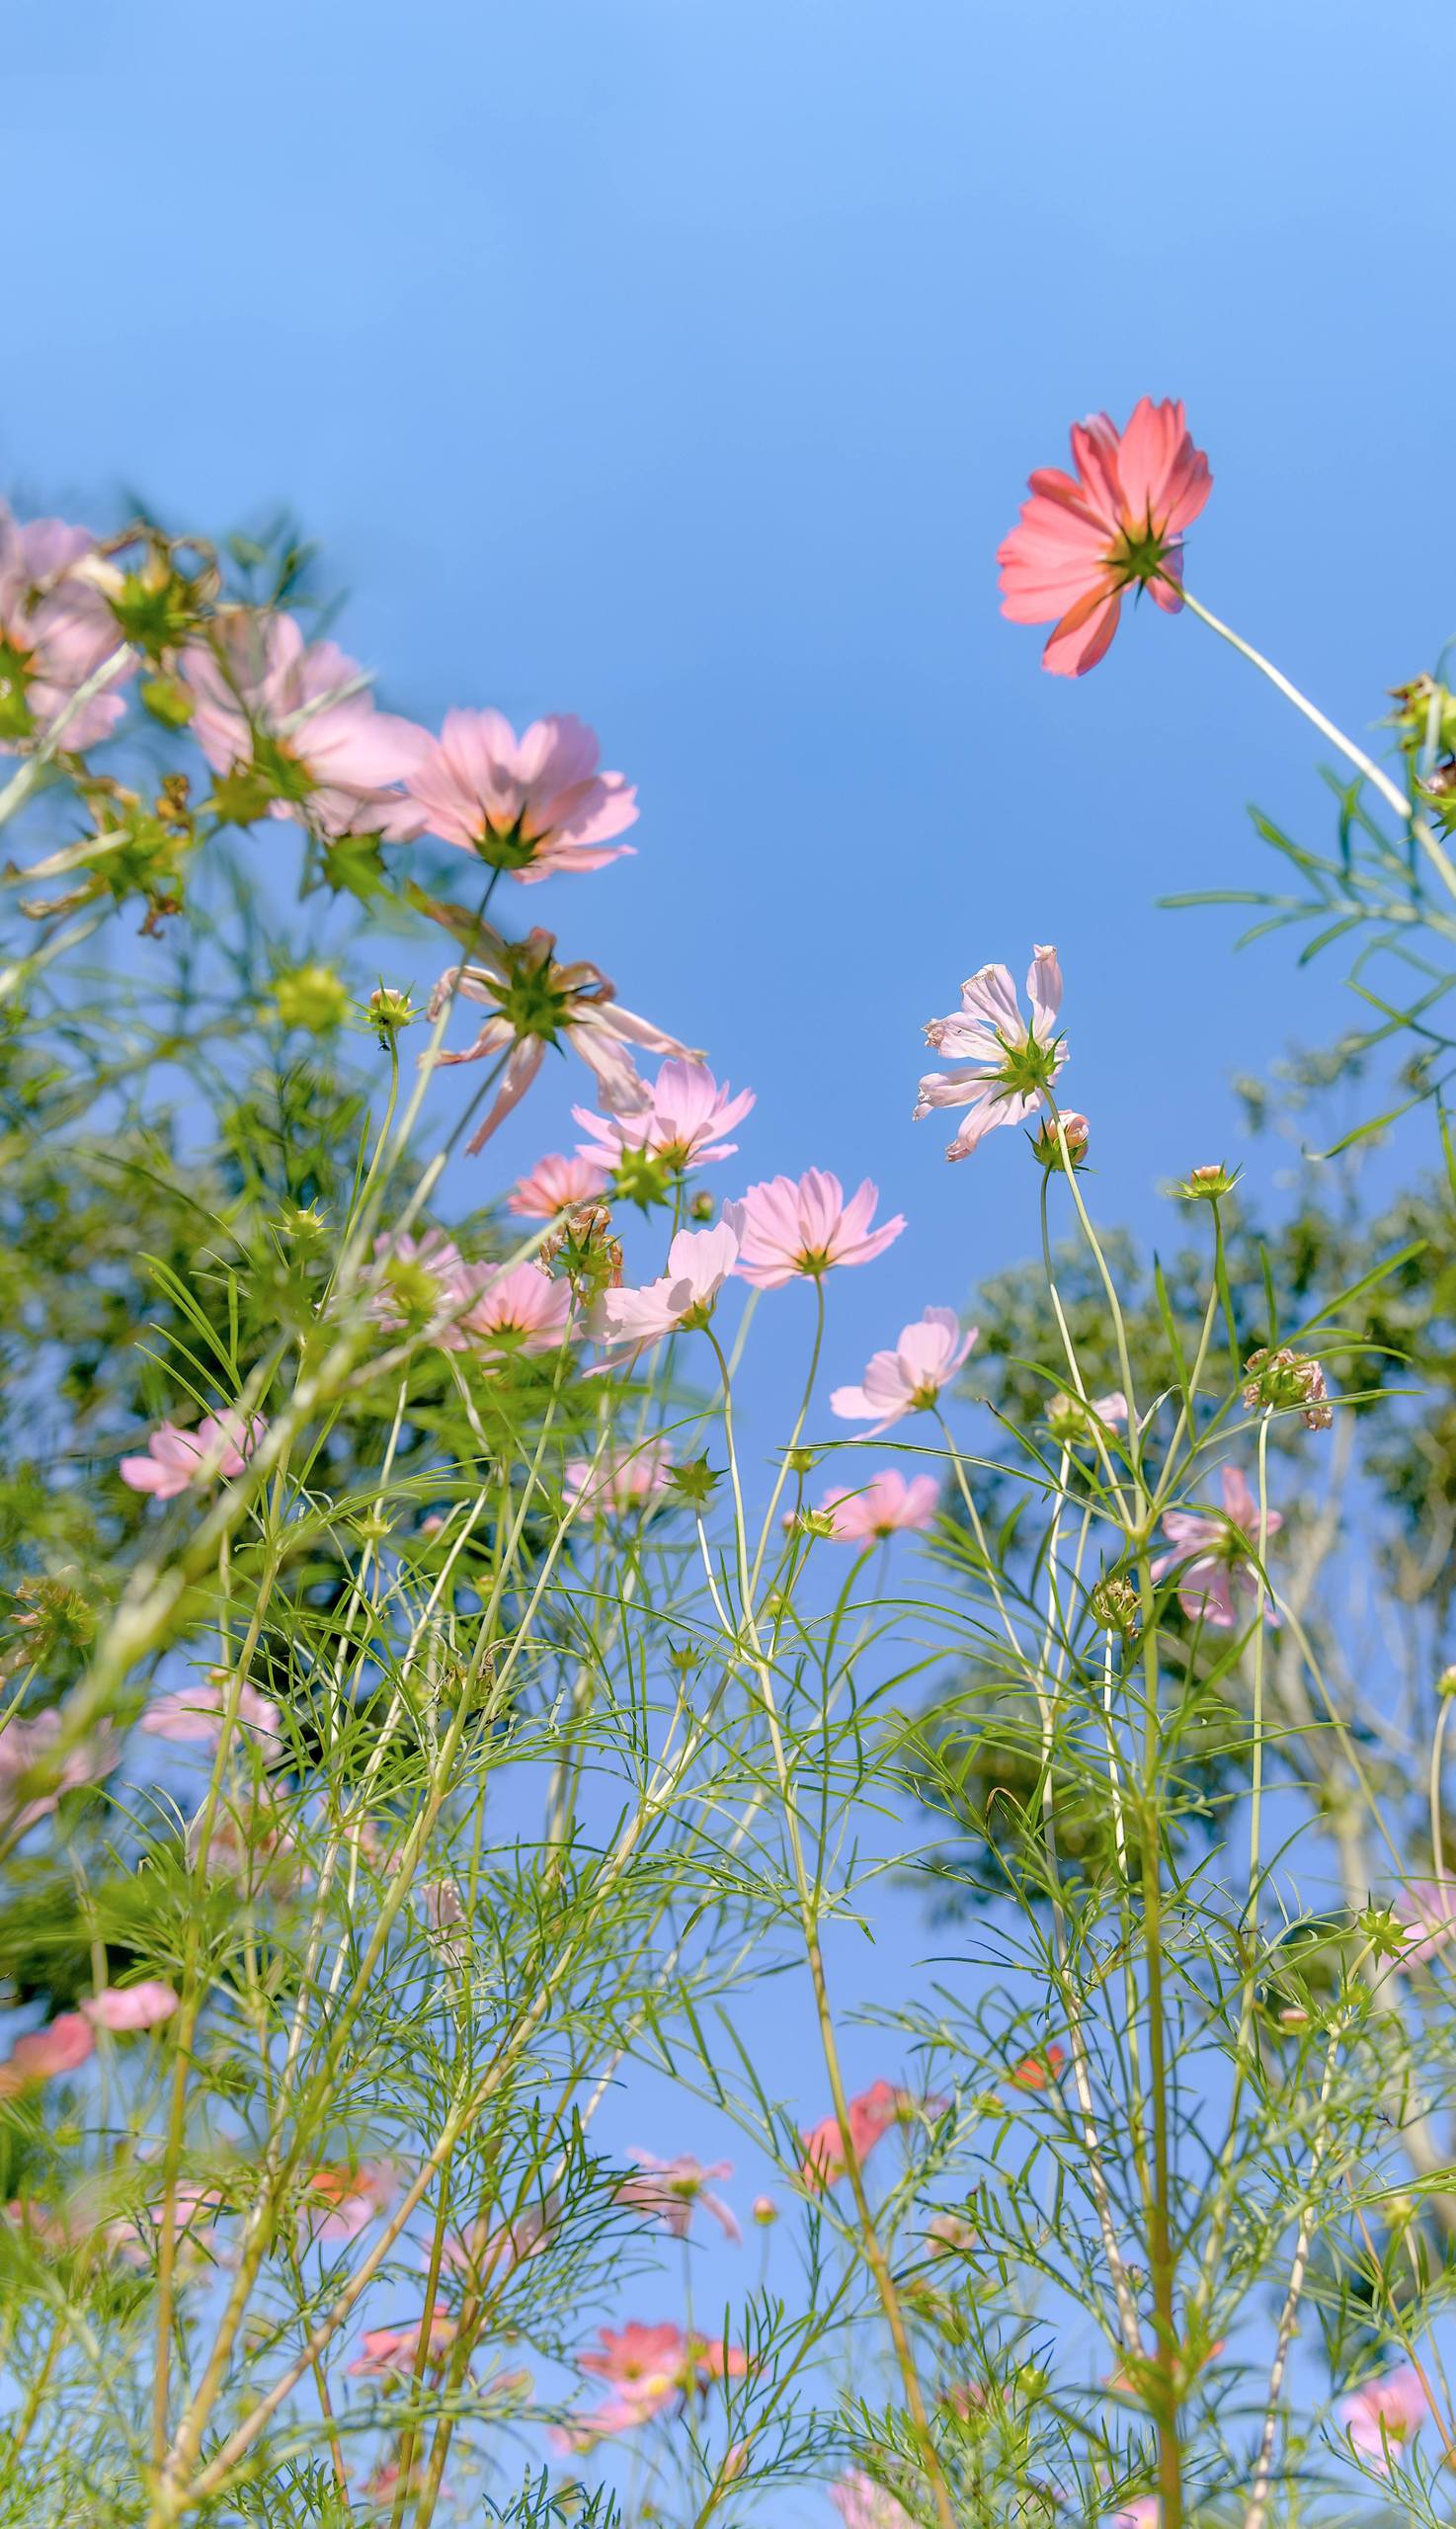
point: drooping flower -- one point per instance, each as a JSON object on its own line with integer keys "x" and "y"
{"x": 1384, "y": 2415}
{"x": 623, "y": 1479}
{"x": 555, "y": 1184}
{"x": 338, "y": 2203}
{"x": 1117, "y": 524}
{"x": 191, "y": 1716}
{"x": 1211, "y": 1557}
{"x": 131, "y": 2006}
{"x": 699, "y": 1262}
{"x": 888, "y": 1503}
{"x": 682, "y": 1125}
{"x": 862, "y": 2504}
{"x": 671, "y": 2190}
{"x": 387, "y": 2350}
{"x": 424, "y": 1283}
{"x": 534, "y": 805}
{"x": 175, "y": 1460}
{"x": 297, "y": 722}
{"x": 909, "y": 1379}
{"x": 1427, "y": 1906}
{"x": 803, "y": 1226}
{"x": 1003, "y": 1065}
{"x": 870, "y": 2117}
{"x": 60, "y": 2047}
{"x": 523, "y": 1311}
{"x": 56, "y": 631}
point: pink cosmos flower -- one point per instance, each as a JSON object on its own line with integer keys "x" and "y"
{"x": 1211, "y": 1559}
{"x": 804, "y": 1226}
{"x": 221, "y": 1445}
{"x": 625, "y": 1479}
{"x": 422, "y": 1280}
{"x": 871, "y": 2116}
{"x": 523, "y": 1311}
{"x": 888, "y": 1503}
{"x": 303, "y": 714}
{"x": 699, "y": 1262}
{"x": 28, "y": 1791}
{"x": 387, "y": 2350}
{"x": 191, "y": 1717}
{"x": 1117, "y": 524}
{"x": 58, "y": 2048}
{"x": 1003, "y": 1065}
{"x": 672, "y": 2189}
{"x": 131, "y": 2006}
{"x": 533, "y": 806}
{"x": 911, "y": 1377}
{"x": 681, "y": 1126}
{"x": 1384, "y": 2415}
{"x": 555, "y": 1184}
{"x": 195, "y": 2209}
{"x": 1139, "y": 2514}
{"x": 56, "y": 631}
{"x": 338, "y": 2203}
{"x": 1429, "y": 1908}
{"x": 862, "y": 2504}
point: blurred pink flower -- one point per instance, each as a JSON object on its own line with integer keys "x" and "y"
{"x": 191, "y": 1717}
{"x": 598, "y": 2423}
{"x": 338, "y": 2203}
{"x": 523, "y": 1311}
{"x": 625, "y": 1479}
{"x": 1384, "y": 2415}
{"x": 911, "y": 1377}
{"x": 871, "y": 2116}
{"x": 1143, "y": 2513}
{"x": 131, "y": 2006}
{"x": 671, "y": 2190}
{"x": 221, "y": 1445}
{"x": 699, "y": 1262}
{"x": 251, "y": 1844}
{"x": 682, "y": 1125}
{"x": 881, "y": 1507}
{"x": 1210, "y": 1556}
{"x": 194, "y": 2210}
{"x": 422, "y": 1280}
{"x": 1003, "y": 1064}
{"x": 1117, "y": 524}
{"x": 862, "y": 2504}
{"x": 336, "y": 757}
{"x": 387, "y": 2350}
{"x": 1429, "y": 1908}
{"x": 804, "y": 1226}
{"x": 647, "y": 2365}
{"x": 31, "y": 1782}
{"x": 58, "y": 2048}
{"x": 555, "y": 1184}
{"x": 533, "y": 806}
{"x": 56, "y": 631}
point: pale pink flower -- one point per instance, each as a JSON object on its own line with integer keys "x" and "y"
{"x": 533, "y": 806}
{"x": 191, "y": 1717}
{"x": 535, "y": 1003}
{"x": 862, "y": 2504}
{"x": 255, "y": 1847}
{"x": 423, "y": 1281}
{"x": 1142, "y": 2513}
{"x": 483, "y": 2253}
{"x": 60, "y": 2047}
{"x": 671, "y": 2190}
{"x": 131, "y": 2006}
{"x": 338, "y": 2203}
{"x": 622, "y": 2413}
{"x": 56, "y": 631}
{"x": 31, "y": 1780}
{"x": 387, "y": 2350}
{"x": 523, "y": 1311}
{"x": 337, "y": 758}
{"x": 699, "y": 1262}
{"x": 910, "y": 1378}
{"x": 1117, "y": 524}
{"x": 1429, "y": 1908}
{"x": 1211, "y": 1557}
{"x": 1003, "y": 1065}
{"x": 681, "y": 1126}
{"x": 803, "y": 1225}
{"x": 870, "y": 2117}
{"x": 194, "y": 2210}
{"x": 1384, "y": 2415}
{"x": 221, "y": 1445}
{"x": 555, "y": 1184}
{"x": 868, "y": 1511}
{"x": 624, "y": 1479}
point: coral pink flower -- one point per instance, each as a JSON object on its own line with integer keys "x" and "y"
{"x": 1038, "y": 2072}
{"x": 56, "y": 631}
{"x": 862, "y": 2504}
{"x": 803, "y": 1226}
{"x": 338, "y": 2203}
{"x": 1429, "y": 1908}
{"x": 555, "y": 1184}
{"x": 131, "y": 2006}
{"x": 699, "y": 1262}
{"x": 672, "y": 2189}
{"x": 523, "y": 1311}
{"x": 1211, "y": 1559}
{"x": 880, "y": 1507}
{"x": 58, "y": 2048}
{"x": 646, "y": 2365}
{"x": 300, "y": 714}
{"x": 30, "y": 1784}
{"x": 1003, "y": 1066}
{"x": 871, "y": 2116}
{"x": 1119, "y": 525}
{"x": 191, "y": 1717}
{"x": 911, "y": 1377}
{"x": 625, "y": 1479}
{"x": 533, "y": 806}
{"x": 394, "y": 2349}
{"x": 688, "y": 1112}
{"x": 423, "y": 1281}
{"x": 221, "y": 1445}
{"x": 1384, "y": 2415}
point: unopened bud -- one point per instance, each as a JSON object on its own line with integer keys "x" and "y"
{"x": 389, "y": 1011}
{"x": 800, "y": 1461}
{"x": 1207, "y": 1184}
{"x": 700, "y": 1208}
{"x": 1447, "y": 1682}
{"x": 766, "y": 2211}
{"x": 1047, "y": 1141}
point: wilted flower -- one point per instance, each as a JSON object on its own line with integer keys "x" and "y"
{"x": 803, "y": 1226}
{"x": 523, "y": 1311}
{"x": 1117, "y": 524}
{"x": 555, "y": 1184}
{"x": 699, "y": 1262}
{"x": 624, "y": 1479}
{"x": 1211, "y": 1556}
{"x": 175, "y": 1460}
{"x": 681, "y": 1126}
{"x": 909, "y": 1379}
{"x": 671, "y": 2190}
{"x": 293, "y": 727}
{"x": 1384, "y": 2415}
{"x": 130, "y": 2006}
{"x": 56, "y": 631}
{"x": 1287, "y": 1382}
{"x": 1115, "y": 1604}
{"x": 60, "y": 2047}
{"x": 534, "y": 805}
{"x": 1009, "y": 1064}
{"x": 888, "y": 1503}
{"x": 191, "y": 1716}
{"x": 950, "y": 2235}
{"x": 862, "y": 2504}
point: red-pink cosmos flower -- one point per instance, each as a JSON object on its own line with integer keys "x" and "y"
{"x": 338, "y": 2203}
{"x": 624, "y": 1479}
{"x": 1384, "y": 2415}
{"x": 862, "y": 2504}
{"x": 648, "y": 2366}
{"x": 56, "y": 631}
{"x": 191, "y": 1716}
{"x": 1003, "y": 1065}
{"x": 671, "y": 2190}
{"x": 221, "y": 1445}
{"x": 699, "y": 1262}
{"x": 556, "y": 1184}
{"x": 60, "y": 2047}
{"x": 533, "y": 806}
{"x": 888, "y": 1503}
{"x": 523, "y": 1311}
{"x": 803, "y": 1226}
{"x": 301, "y": 716}
{"x": 870, "y": 2117}
{"x": 131, "y": 2006}
{"x": 681, "y": 1126}
{"x": 1211, "y": 1557}
{"x": 393, "y": 2349}
{"x": 909, "y": 1379}
{"x": 1117, "y": 524}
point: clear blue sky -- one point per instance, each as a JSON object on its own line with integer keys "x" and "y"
{"x": 679, "y": 363}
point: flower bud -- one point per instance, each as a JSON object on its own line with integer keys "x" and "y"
{"x": 1047, "y": 1143}
{"x": 389, "y": 1011}
{"x": 1207, "y": 1184}
{"x": 1447, "y": 1682}
{"x": 1114, "y": 1606}
{"x": 800, "y": 1461}
{"x": 766, "y": 2211}
{"x": 702, "y": 1207}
